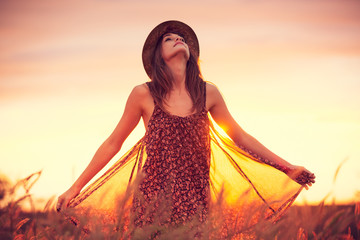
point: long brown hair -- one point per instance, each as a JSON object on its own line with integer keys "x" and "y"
{"x": 162, "y": 79}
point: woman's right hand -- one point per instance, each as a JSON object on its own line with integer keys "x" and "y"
{"x": 65, "y": 198}
{"x": 302, "y": 176}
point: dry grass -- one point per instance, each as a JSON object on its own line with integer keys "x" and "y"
{"x": 300, "y": 222}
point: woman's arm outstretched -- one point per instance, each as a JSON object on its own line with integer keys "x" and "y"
{"x": 242, "y": 139}
{"x": 110, "y": 147}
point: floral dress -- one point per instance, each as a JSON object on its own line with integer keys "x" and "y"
{"x": 176, "y": 170}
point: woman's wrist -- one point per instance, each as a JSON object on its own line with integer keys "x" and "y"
{"x": 76, "y": 188}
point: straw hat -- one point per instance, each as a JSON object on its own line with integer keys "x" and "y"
{"x": 172, "y": 26}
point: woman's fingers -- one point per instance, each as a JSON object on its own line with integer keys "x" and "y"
{"x": 59, "y": 204}
{"x": 62, "y": 202}
{"x": 65, "y": 198}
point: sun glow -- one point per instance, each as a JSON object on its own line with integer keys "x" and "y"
{"x": 289, "y": 73}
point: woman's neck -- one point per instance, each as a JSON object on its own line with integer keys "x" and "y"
{"x": 177, "y": 67}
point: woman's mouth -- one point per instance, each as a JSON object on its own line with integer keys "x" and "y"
{"x": 178, "y": 43}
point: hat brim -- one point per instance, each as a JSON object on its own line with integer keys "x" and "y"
{"x": 172, "y": 26}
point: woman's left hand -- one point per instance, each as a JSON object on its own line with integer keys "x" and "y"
{"x": 302, "y": 176}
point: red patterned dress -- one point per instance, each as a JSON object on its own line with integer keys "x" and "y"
{"x": 176, "y": 171}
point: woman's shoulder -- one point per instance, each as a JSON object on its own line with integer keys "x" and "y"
{"x": 141, "y": 90}
{"x": 140, "y": 97}
{"x": 213, "y": 95}
{"x": 211, "y": 89}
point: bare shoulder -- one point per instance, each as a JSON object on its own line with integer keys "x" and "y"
{"x": 212, "y": 89}
{"x": 141, "y": 90}
{"x": 213, "y": 95}
{"x": 141, "y": 100}
{"x": 140, "y": 93}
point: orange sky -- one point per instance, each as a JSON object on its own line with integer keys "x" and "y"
{"x": 289, "y": 72}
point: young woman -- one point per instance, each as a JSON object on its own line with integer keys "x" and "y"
{"x": 182, "y": 159}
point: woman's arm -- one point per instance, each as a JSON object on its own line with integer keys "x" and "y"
{"x": 111, "y": 146}
{"x": 223, "y": 118}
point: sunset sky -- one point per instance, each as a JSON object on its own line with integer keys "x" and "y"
{"x": 289, "y": 71}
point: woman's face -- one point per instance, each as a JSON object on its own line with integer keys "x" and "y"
{"x": 173, "y": 44}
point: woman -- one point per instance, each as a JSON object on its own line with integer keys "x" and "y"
{"x": 176, "y": 157}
